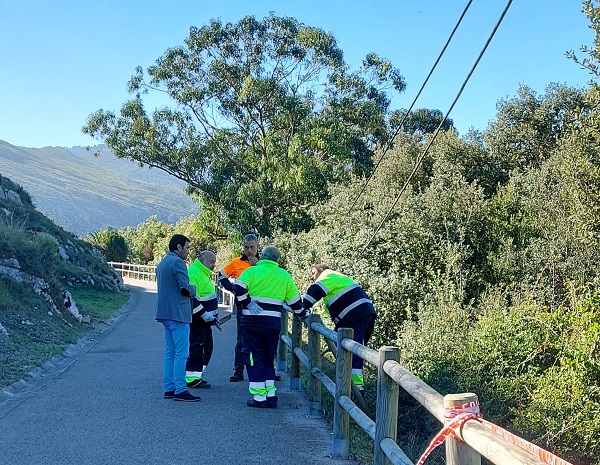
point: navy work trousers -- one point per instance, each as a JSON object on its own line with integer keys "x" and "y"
{"x": 201, "y": 347}
{"x": 260, "y": 348}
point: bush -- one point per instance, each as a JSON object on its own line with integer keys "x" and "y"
{"x": 111, "y": 243}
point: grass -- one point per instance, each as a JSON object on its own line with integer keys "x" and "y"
{"x": 98, "y": 304}
{"x": 36, "y": 254}
{"x": 36, "y": 334}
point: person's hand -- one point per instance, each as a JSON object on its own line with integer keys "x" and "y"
{"x": 304, "y": 317}
{"x": 254, "y": 308}
{"x": 253, "y": 260}
{"x": 208, "y": 317}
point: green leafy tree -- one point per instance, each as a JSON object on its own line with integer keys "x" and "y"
{"x": 266, "y": 117}
{"x": 143, "y": 238}
{"x": 529, "y": 126}
{"x": 422, "y": 121}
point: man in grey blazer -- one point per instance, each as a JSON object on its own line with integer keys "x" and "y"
{"x": 174, "y": 311}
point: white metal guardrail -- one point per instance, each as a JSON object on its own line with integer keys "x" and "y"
{"x": 148, "y": 273}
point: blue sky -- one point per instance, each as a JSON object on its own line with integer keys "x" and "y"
{"x": 61, "y": 61}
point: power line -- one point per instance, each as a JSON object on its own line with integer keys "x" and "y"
{"x": 391, "y": 140}
{"x": 420, "y": 160}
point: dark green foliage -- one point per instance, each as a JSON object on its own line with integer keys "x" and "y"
{"x": 529, "y": 127}
{"x": 421, "y": 121}
{"x": 110, "y": 243}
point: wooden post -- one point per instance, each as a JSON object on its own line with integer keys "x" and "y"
{"x": 296, "y": 372}
{"x": 282, "y": 347}
{"x": 458, "y": 452}
{"x": 387, "y": 405}
{"x": 315, "y": 408}
{"x": 343, "y": 377}
{"x": 355, "y": 391}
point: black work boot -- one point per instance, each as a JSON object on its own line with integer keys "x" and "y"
{"x": 257, "y": 404}
{"x": 237, "y": 376}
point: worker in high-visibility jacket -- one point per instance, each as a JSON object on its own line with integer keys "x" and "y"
{"x": 262, "y": 291}
{"x": 204, "y": 317}
{"x": 227, "y": 277}
{"x": 348, "y": 306}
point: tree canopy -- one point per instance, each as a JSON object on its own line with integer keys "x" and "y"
{"x": 266, "y": 116}
{"x": 421, "y": 121}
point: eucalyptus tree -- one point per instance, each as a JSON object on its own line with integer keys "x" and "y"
{"x": 266, "y": 116}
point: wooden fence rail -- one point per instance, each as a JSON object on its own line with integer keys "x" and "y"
{"x": 476, "y": 440}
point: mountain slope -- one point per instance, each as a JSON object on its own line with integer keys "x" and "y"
{"x": 84, "y": 193}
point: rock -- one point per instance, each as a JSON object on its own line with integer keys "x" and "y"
{"x": 63, "y": 253}
{"x": 70, "y": 305}
{"x": 11, "y": 263}
{"x": 11, "y": 196}
{"x": 3, "y": 330}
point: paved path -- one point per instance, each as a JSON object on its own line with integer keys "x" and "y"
{"x": 101, "y": 403}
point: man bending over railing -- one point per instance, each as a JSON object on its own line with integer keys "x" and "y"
{"x": 348, "y": 306}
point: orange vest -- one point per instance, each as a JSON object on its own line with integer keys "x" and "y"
{"x": 236, "y": 267}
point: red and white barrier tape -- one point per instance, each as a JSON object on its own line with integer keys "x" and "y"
{"x": 458, "y": 415}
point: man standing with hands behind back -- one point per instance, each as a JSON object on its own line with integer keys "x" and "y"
{"x": 264, "y": 291}
{"x": 174, "y": 311}
{"x": 234, "y": 270}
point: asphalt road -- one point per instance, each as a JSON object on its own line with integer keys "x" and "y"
{"x": 101, "y": 402}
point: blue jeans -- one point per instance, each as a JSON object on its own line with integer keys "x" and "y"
{"x": 177, "y": 349}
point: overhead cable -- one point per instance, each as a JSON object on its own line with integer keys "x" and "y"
{"x": 390, "y": 141}
{"x": 433, "y": 137}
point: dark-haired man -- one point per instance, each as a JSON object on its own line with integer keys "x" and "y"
{"x": 174, "y": 311}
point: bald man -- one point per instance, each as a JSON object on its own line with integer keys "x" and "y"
{"x": 204, "y": 317}
{"x": 262, "y": 290}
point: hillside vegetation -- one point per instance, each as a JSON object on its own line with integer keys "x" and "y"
{"x": 486, "y": 272}
{"x": 49, "y": 280}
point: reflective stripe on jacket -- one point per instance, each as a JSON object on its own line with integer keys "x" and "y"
{"x": 206, "y": 296}
{"x": 270, "y": 287}
{"x": 345, "y": 300}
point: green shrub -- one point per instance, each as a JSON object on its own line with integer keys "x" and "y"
{"x": 564, "y": 406}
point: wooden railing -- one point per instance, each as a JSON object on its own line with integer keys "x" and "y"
{"x": 477, "y": 440}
